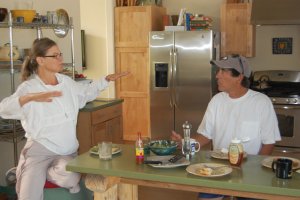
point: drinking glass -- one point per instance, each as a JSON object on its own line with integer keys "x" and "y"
{"x": 105, "y": 150}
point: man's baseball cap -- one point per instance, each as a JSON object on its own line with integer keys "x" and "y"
{"x": 237, "y": 62}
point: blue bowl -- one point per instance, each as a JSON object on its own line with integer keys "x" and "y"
{"x": 163, "y": 147}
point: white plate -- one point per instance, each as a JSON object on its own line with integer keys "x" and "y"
{"x": 267, "y": 162}
{"x": 220, "y": 155}
{"x": 217, "y": 169}
{"x": 115, "y": 149}
{"x": 166, "y": 164}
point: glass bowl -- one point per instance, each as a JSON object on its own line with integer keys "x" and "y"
{"x": 163, "y": 147}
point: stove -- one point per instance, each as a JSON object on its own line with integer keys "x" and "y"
{"x": 283, "y": 87}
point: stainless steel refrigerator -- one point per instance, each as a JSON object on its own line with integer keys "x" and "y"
{"x": 181, "y": 79}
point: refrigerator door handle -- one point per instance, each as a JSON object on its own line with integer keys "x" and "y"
{"x": 174, "y": 78}
{"x": 171, "y": 78}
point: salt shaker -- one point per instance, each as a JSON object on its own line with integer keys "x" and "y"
{"x": 186, "y": 146}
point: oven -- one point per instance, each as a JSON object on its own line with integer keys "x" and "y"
{"x": 283, "y": 88}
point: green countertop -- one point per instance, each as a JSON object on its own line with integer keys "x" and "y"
{"x": 100, "y": 103}
{"x": 251, "y": 177}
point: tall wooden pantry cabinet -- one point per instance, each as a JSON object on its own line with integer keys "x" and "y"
{"x": 132, "y": 27}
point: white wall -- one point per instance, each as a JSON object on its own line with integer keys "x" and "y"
{"x": 264, "y": 59}
{"x": 98, "y": 23}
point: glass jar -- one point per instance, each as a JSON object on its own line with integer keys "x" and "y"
{"x": 236, "y": 152}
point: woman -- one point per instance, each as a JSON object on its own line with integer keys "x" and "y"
{"x": 47, "y": 104}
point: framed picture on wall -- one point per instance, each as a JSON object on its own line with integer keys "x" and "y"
{"x": 83, "y": 49}
{"x": 282, "y": 45}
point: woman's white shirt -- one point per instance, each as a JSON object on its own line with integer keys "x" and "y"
{"x": 52, "y": 124}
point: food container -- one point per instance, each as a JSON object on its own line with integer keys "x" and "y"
{"x": 3, "y": 14}
{"x": 5, "y": 53}
{"x": 28, "y": 15}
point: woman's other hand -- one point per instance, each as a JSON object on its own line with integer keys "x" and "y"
{"x": 113, "y": 77}
{"x": 177, "y": 138}
{"x": 39, "y": 97}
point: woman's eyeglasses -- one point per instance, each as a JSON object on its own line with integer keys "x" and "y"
{"x": 57, "y": 56}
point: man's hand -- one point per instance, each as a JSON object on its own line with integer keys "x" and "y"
{"x": 177, "y": 138}
{"x": 113, "y": 77}
{"x": 39, "y": 97}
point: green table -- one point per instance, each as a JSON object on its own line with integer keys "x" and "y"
{"x": 251, "y": 180}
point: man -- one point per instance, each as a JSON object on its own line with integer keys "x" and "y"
{"x": 237, "y": 112}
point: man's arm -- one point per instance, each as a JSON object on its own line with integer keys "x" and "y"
{"x": 266, "y": 149}
{"x": 199, "y": 137}
{"x": 202, "y": 139}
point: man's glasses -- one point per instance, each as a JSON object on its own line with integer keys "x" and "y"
{"x": 240, "y": 60}
{"x": 57, "y": 56}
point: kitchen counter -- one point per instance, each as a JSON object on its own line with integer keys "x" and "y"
{"x": 251, "y": 180}
{"x": 100, "y": 120}
{"x": 100, "y": 103}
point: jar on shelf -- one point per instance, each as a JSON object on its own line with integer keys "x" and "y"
{"x": 146, "y": 2}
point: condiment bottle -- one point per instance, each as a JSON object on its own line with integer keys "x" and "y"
{"x": 139, "y": 150}
{"x": 236, "y": 152}
{"x": 186, "y": 146}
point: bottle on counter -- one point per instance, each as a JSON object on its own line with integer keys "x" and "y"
{"x": 186, "y": 146}
{"x": 236, "y": 152}
{"x": 139, "y": 149}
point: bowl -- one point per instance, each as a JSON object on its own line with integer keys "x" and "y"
{"x": 28, "y": 15}
{"x": 163, "y": 147}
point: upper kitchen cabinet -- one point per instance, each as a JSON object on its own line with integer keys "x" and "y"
{"x": 132, "y": 27}
{"x": 133, "y": 23}
{"x": 237, "y": 32}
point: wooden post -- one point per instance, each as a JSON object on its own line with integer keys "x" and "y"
{"x": 110, "y": 188}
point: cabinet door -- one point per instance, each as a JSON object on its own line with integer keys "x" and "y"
{"x": 132, "y": 24}
{"x": 100, "y": 133}
{"x": 134, "y": 89}
{"x": 114, "y": 127}
{"x": 237, "y": 33}
{"x": 84, "y": 131}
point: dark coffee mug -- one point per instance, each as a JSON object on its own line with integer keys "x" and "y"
{"x": 282, "y": 168}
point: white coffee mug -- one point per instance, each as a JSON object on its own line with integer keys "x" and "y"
{"x": 194, "y": 143}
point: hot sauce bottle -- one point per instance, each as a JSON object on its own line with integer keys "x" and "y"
{"x": 236, "y": 152}
{"x": 139, "y": 149}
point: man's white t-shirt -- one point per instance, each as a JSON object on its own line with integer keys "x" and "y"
{"x": 250, "y": 116}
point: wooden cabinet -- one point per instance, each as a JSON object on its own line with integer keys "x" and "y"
{"x": 132, "y": 27}
{"x": 99, "y": 125}
{"x": 237, "y": 32}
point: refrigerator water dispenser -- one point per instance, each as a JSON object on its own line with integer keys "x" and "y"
{"x": 161, "y": 74}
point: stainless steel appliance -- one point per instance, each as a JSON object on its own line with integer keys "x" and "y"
{"x": 283, "y": 88}
{"x": 181, "y": 74}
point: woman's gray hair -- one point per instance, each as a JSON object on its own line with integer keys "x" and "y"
{"x": 39, "y": 49}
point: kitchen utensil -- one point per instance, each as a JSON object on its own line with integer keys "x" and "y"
{"x": 28, "y": 15}
{"x": 3, "y": 14}
{"x": 5, "y": 53}
{"x": 63, "y": 19}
